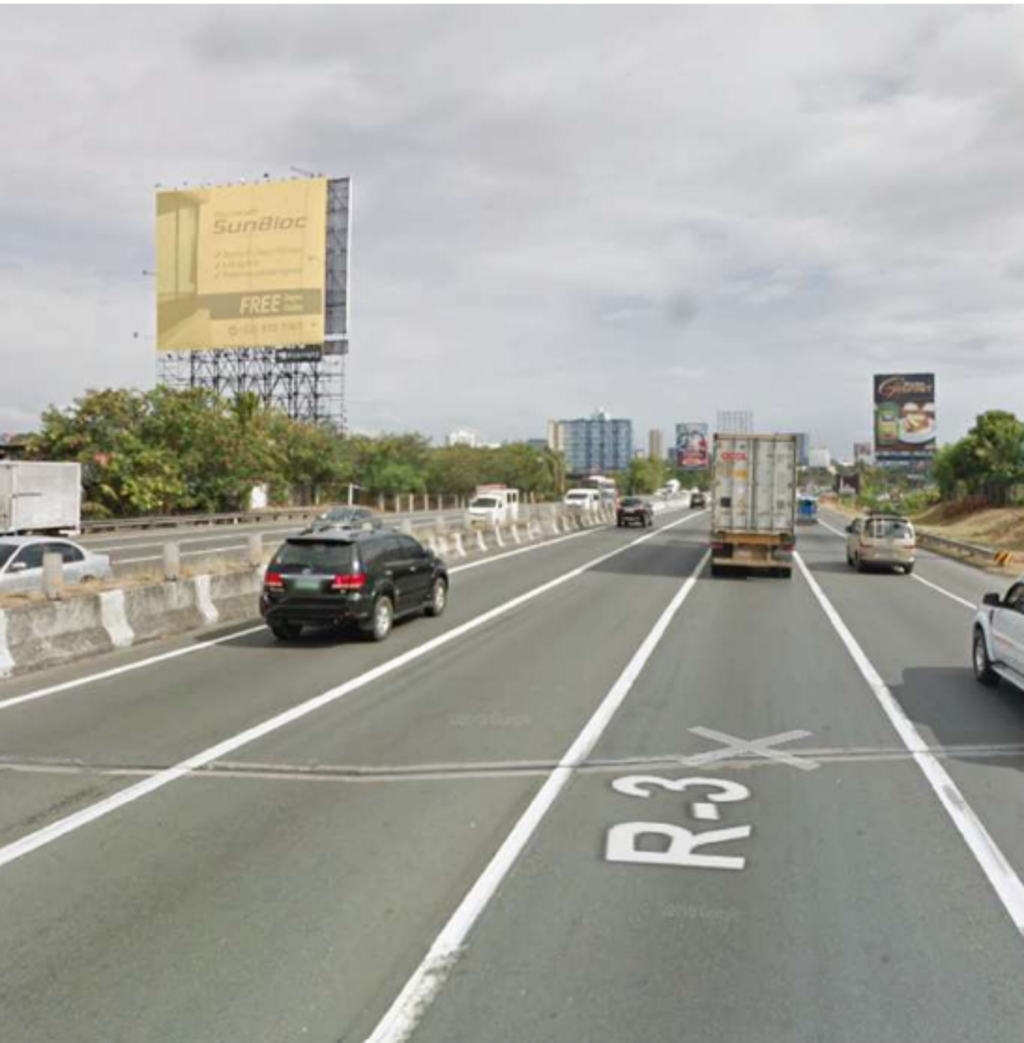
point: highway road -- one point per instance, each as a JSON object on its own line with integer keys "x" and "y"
{"x": 604, "y": 799}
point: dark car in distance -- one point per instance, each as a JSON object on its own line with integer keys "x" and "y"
{"x": 634, "y": 510}
{"x": 345, "y": 518}
{"x": 698, "y": 499}
{"x": 339, "y": 576}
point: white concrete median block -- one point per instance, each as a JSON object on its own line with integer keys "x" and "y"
{"x": 115, "y": 618}
{"x": 514, "y": 529}
{"x": 481, "y": 543}
{"x": 497, "y": 537}
{"x": 204, "y": 600}
{"x": 6, "y": 659}
{"x": 460, "y": 550}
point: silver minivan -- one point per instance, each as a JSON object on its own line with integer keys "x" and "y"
{"x": 881, "y": 541}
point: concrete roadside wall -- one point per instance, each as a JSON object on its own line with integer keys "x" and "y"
{"x": 48, "y": 633}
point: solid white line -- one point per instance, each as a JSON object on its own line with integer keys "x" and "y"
{"x": 428, "y": 978}
{"x": 948, "y": 593}
{"x": 920, "y": 579}
{"x": 48, "y": 834}
{"x": 997, "y": 869}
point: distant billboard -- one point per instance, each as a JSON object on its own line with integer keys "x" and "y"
{"x": 252, "y": 266}
{"x": 692, "y": 452}
{"x": 904, "y": 417}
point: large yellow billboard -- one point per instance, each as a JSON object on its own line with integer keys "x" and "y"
{"x": 241, "y": 266}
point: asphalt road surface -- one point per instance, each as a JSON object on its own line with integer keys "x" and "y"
{"x": 604, "y": 799}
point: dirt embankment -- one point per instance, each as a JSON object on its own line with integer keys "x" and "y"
{"x": 998, "y": 527}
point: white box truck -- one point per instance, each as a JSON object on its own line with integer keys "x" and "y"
{"x": 40, "y": 497}
{"x": 495, "y": 505}
{"x": 753, "y": 504}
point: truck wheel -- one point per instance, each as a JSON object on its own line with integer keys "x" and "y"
{"x": 908, "y": 569}
{"x": 716, "y": 570}
{"x": 785, "y": 573}
{"x": 983, "y": 672}
{"x": 859, "y": 565}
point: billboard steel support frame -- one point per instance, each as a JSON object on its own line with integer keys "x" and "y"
{"x": 306, "y": 389}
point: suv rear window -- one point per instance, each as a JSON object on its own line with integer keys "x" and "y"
{"x": 328, "y": 556}
{"x": 632, "y": 501}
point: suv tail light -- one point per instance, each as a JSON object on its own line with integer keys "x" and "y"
{"x": 349, "y": 581}
{"x": 273, "y": 581}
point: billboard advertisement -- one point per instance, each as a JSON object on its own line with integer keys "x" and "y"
{"x": 904, "y": 417}
{"x": 692, "y": 452}
{"x": 242, "y": 266}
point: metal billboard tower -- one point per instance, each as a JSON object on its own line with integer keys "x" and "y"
{"x": 305, "y": 381}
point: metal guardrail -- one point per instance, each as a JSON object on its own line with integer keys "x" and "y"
{"x": 962, "y": 547}
{"x": 180, "y": 521}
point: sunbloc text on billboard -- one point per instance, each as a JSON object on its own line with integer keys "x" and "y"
{"x": 692, "y": 452}
{"x": 242, "y": 266}
{"x": 904, "y": 417}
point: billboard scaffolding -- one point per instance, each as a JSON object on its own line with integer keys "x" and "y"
{"x": 253, "y": 292}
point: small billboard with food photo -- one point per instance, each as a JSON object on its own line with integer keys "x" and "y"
{"x": 904, "y": 417}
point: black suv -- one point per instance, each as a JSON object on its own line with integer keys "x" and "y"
{"x": 634, "y": 510}
{"x": 698, "y": 499}
{"x": 340, "y": 576}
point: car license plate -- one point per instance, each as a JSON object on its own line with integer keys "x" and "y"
{"x": 306, "y": 583}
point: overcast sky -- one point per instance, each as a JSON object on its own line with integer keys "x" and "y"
{"x": 664, "y": 212}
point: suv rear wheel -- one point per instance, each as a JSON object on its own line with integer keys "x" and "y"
{"x": 286, "y": 631}
{"x": 381, "y": 619}
{"x": 438, "y": 598}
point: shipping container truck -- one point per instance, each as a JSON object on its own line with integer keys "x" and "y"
{"x": 40, "y": 497}
{"x": 753, "y": 504}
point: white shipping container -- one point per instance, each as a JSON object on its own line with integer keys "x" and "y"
{"x": 754, "y": 484}
{"x": 40, "y": 497}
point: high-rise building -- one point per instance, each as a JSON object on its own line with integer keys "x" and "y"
{"x": 555, "y": 436}
{"x": 596, "y": 444}
{"x": 461, "y": 436}
{"x": 655, "y": 444}
{"x": 735, "y": 422}
{"x": 803, "y": 449}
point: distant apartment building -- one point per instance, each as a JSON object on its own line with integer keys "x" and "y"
{"x": 862, "y": 452}
{"x": 593, "y": 445}
{"x": 735, "y": 422}
{"x": 536, "y": 443}
{"x": 655, "y": 444}
{"x": 803, "y": 449}
{"x": 820, "y": 458}
{"x": 460, "y": 436}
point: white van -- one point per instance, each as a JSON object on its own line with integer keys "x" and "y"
{"x": 583, "y": 499}
{"x": 495, "y": 505}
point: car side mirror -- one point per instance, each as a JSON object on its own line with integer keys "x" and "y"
{"x": 18, "y": 566}
{"x": 993, "y": 600}
{"x": 849, "y": 528}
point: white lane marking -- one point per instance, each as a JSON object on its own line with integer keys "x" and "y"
{"x": 997, "y": 869}
{"x": 104, "y": 675}
{"x": 920, "y": 579}
{"x": 48, "y": 834}
{"x": 761, "y": 747}
{"x": 426, "y": 981}
{"x": 127, "y": 668}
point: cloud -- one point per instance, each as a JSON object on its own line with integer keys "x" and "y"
{"x": 668, "y": 210}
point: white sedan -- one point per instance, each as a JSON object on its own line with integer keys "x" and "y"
{"x": 21, "y": 562}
